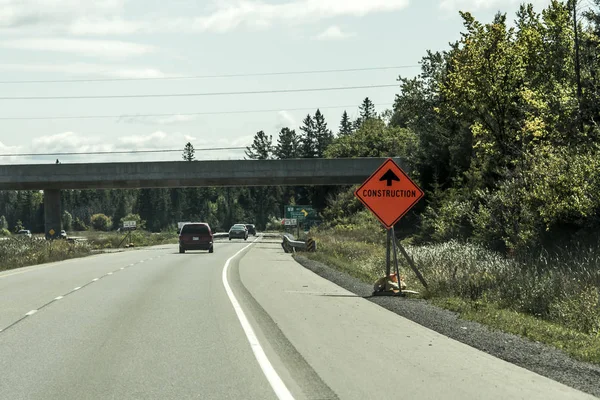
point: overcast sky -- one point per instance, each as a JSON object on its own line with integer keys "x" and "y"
{"x": 84, "y": 39}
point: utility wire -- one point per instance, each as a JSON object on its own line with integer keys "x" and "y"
{"x": 124, "y": 96}
{"x": 239, "y": 75}
{"x": 118, "y": 152}
{"x": 175, "y": 114}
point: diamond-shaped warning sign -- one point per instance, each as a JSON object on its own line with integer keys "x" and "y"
{"x": 389, "y": 193}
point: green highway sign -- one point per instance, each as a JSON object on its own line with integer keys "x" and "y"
{"x": 298, "y": 212}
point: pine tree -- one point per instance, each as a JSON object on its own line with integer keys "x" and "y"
{"x": 367, "y": 110}
{"x": 288, "y": 144}
{"x": 346, "y": 127}
{"x": 178, "y": 204}
{"x": 323, "y": 134}
{"x": 145, "y": 207}
{"x": 120, "y": 211}
{"x": 67, "y": 221}
{"x": 161, "y": 206}
{"x": 309, "y": 138}
{"x": 189, "y": 152}
{"x": 261, "y": 147}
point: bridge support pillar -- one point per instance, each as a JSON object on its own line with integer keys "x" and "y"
{"x": 52, "y": 213}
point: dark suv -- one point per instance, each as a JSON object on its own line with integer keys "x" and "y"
{"x": 251, "y": 229}
{"x": 195, "y": 236}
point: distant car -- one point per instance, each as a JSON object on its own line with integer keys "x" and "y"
{"x": 24, "y": 232}
{"x": 238, "y": 231}
{"x": 251, "y": 229}
{"x": 196, "y": 236}
{"x": 63, "y": 234}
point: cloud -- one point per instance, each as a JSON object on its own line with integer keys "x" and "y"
{"x": 5, "y": 149}
{"x": 474, "y": 5}
{"x": 166, "y": 120}
{"x": 89, "y": 69}
{"x": 93, "y": 48}
{"x": 74, "y": 142}
{"x": 334, "y": 32}
{"x": 222, "y": 16}
{"x": 285, "y": 119}
{"x": 230, "y": 15}
{"x": 68, "y": 142}
{"x": 111, "y": 26}
{"x": 17, "y": 13}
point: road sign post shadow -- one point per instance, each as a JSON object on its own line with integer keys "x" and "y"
{"x": 389, "y": 194}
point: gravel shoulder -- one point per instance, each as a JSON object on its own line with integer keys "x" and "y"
{"x": 536, "y": 357}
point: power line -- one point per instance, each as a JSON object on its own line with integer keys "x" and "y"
{"x": 117, "y": 152}
{"x": 175, "y": 114}
{"x": 123, "y": 96}
{"x": 239, "y": 75}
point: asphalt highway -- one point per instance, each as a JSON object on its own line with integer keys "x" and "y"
{"x": 246, "y": 322}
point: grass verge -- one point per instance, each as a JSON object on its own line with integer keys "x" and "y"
{"x": 21, "y": 252}
{"x": 111, "y": 240}
{"x": 581, "y": 346}
{"x": 16, "y": 252}
{"x": 550, "y": 299}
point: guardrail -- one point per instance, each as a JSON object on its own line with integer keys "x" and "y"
{"x": 290, "y": 245}
{"x": 74, "y": 239}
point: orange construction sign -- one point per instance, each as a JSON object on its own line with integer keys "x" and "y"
{"x": 389, "y": 193}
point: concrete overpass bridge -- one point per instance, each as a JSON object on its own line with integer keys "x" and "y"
{"x": 51, "y": 178}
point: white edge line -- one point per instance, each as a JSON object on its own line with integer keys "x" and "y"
{"x": 58, "y": 298}
{"x": 281, "y": 391}
{"x": 31, "y": 312}
{"x": 122, "y": 268}
{"x": 110, "y": 273}
{"x": 77, "y": 288}
{"x": 95, "y": 279}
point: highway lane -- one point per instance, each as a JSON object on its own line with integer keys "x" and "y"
{"x": 159, "y": 329}
{"x": 164, "y": 328}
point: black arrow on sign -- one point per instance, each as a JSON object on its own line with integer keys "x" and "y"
{"x": 389, "y": 176}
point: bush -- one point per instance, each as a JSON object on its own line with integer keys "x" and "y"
{"x": 79, "y": 225}
{"x": 341, "y": 207}
{"x": 4, "y": 232}
{"x": 448, "y": 217}
{"x": 67, "y": 221}
{"x": 101, "y": 222}
{"x": 140, "y": 224}
{"x": 580, "y": 310}
{"x": 19, "y": 226}
{"x": 3, "y": 223}
{"x": 275, "y": 225}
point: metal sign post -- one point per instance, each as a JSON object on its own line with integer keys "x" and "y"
{"x": 412, "y": 265}
{"x": 388, "y": 250}
{"x": 127, "y": 235}
{"x": 397, "y": 270}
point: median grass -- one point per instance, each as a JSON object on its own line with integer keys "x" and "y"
{"x": 552, "y": 299}
{"x": 111, "y": 240}
{"x": 19, "y": 252}
{"x": 16, "y": 251}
